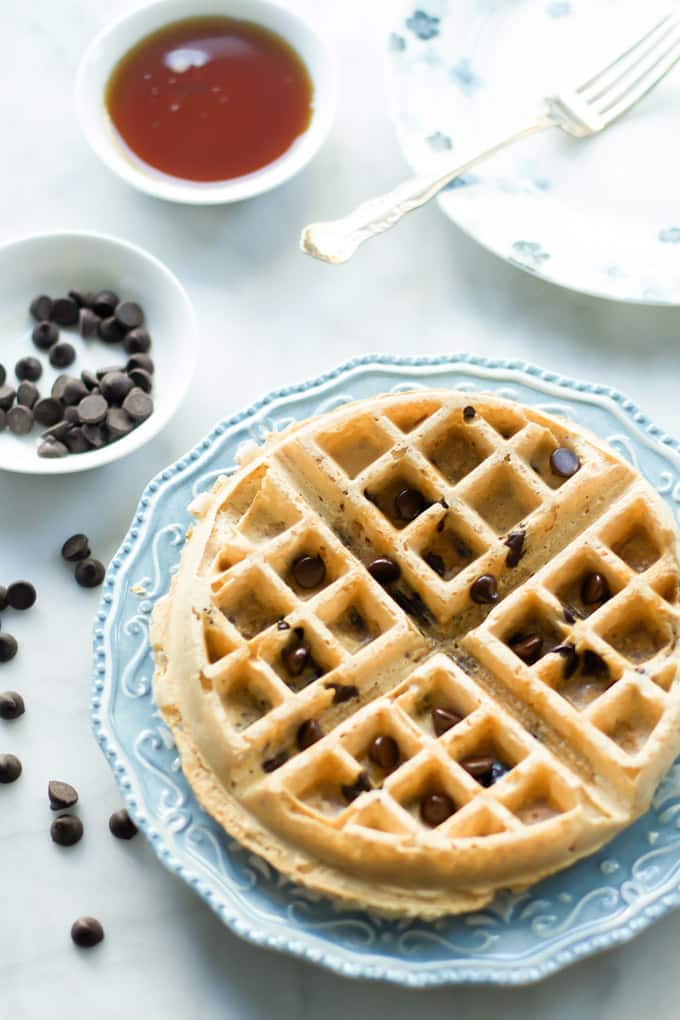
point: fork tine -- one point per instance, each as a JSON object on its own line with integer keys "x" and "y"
{"x": 643, "y": 85}
{"x": 639, "y": 59}
{"x": 622, "y": 56}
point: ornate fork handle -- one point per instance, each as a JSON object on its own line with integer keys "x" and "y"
{"x": 336, "y": 241}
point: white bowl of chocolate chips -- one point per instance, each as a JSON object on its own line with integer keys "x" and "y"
{"x": 98, "y": 349}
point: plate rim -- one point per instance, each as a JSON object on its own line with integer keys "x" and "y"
{"x": 400, "y": 972}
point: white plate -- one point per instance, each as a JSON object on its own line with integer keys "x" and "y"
{"x": 52, "y": 264}
{"x": 599, "y": 215}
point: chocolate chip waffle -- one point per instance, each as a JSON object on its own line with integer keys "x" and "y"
{"x": 424, "y": 647}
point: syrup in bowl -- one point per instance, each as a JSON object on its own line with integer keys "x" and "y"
{"x": 210, "y": 99}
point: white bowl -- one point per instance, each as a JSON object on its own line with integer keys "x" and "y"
{"x": 54, "y": 263}
{"x": 117, "y": 39}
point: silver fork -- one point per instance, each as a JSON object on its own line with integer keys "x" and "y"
{"x": 581, "y": 112}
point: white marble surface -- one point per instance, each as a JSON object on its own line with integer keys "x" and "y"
{"x": 267, "y": 317}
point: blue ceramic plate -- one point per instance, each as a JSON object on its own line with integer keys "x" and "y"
{"x": 596, "y": 904}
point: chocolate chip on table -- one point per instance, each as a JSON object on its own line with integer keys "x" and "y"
{"x": 275, "y": 762}
{"x": 20, "y": 420}
{"x": 48, "y": 411}
{"x": 52, "y": 448}
{"x": 88, "y": 323}
{"x": 10, "y": 768}
{"x": 308, "y": 733}
{"x": 8, "y": 646}
{"x": 65, "y": 311}
{"x": 140, "y": 361}
{"x": 62, "y": 355}
{"x": 564, "y": 462}
{"x": 121, "y": 825}
{"x": 61, "y": 795}
{"x": 7, "y": 395}
{"x": 27, "y": 394}
{"x": 309, "y": 571}
{"x": 343, "y": 692}
{"x": 87, "y": 932}
{"x": 105, "y": 302}
{"x": 11, "y": 705}
{"x": 28, "y": 368}
{"x": 468, "y": 413}
{"x": 90, "y": 573}
{"x": 118, "y": 422}
{"x": 384, "y": 570}
{"x": 443, "y": 719}
{"x": 141, "y": 378}
{"x": 45, "y": 335}
{"x": 129, "y": 314}
{"x": 138, "y": 404}
{"x": 115, "y": 386}
{"x": 92, "y": 409}
{"x": 66, "y": 830}
{"x": 21, "y": 595}
{"x": 528, "y": 648}
{"x": 361, "y": 784}
{"x": 435, "y": 808}
{"x": 409, "y": 504}
{"x": 137, "y": 341}
{"x": 515, "y": 544}
{"x": 76, "y": 548}
{"x": 594, "y": 589}
{"x": 384, "y": 752}
{"x": 110, "y": 330}
{"x": 74, "y": 391}
{"x": 484, "y": 589}
{"x": 41, "y": 307}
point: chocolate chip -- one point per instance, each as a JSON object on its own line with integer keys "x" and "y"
{"x": 7, "y": 395}
{"x": 21, "y": 595}
{"x": 65, "y": 311}
{"x": 138, "y": 404}
{"x": 435, "y": 562}
{"x": 308, "y": 733}
{"x": 66, "y": 830}
{"x": 564, "y": 462}
{"x": 409, "y": 504}
{"x": 61, "y": 795}
{"x": 76, "y": 548}
{"x": 59, "y": 385}
{"x": 62, "y": 355}
{"x": 89, "y": 380}
{"x": 384, "y": 570}
{"x": 275, "y": 762}
{"x": 121, "y": 825}
{"x": 3, "y": 598}
{"x": 11, "y": 705}
{"x": 468, "y": 413}
{"x": 570, "y": 656}
{"x": 515, "y": 544}
{"x": 484, "y": 589}
{"x": 115, "y": 386}
{"x": 435, "y": 808}
{"x": 71, "y": 416}
{"x": 28, "y": 368}
{"x": 75, "y": 390}
{"x": 309, "y": 571}
{"x": 593, "y": 664}
{"x": 95, "y": 435}
{"x": 342, "y": 692}
{"x": 20, "y": 420}
{"x": 140, "y": 361}
{"x": 594, "y": 589}
{"x": 90, "y": 573}
{"x": 528, "y": 648}
{"x": 412, "y": 604}
{"x": 443, "y": 719}
{"x": 282, "y": 625}
{"x": 8, "y": 646}
{"x": 88, "y": 323}
{"x": 129, "y": 314}
{"x": 44, "y": 335}
{"x": 52, "y": 448}
{"x": 41, "y": 307}
{"x": 27, "y": 394}
{"x": 87, "y": 932}
{"x": 137, "y": 341}
{"x": 48, "y": 411}
{"x": 104, "y": 303}
{"x": 83, "y": 298}
{"x": 384, "y": 752}
{"x": 101, "y": 372}
{"x": 569, "y": 615}
{"x": 361, "y": 784}
{"x": 92, "y": 409}
{"x": 118, "y": 422}
{"x": 58, "y": 431}
{"x": 478, "y": 767}
{"x": 142, "y": 379}
{"x": 110, "y": 330}
{"x": 295, "y": 659}
{"x": 75, "y": 440}
{"x": 10, "y": 768}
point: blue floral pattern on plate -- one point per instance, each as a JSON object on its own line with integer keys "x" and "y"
{"x": 598, "y": 903}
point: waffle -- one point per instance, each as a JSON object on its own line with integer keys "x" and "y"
{"x": 422, "y": 648}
